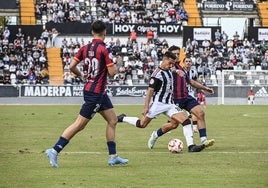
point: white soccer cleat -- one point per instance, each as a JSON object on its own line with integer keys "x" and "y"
{"x": 152, "y": 140}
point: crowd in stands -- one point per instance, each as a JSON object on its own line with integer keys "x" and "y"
{"x": 136, "y": 61}
{"x": 24, "y": 60}
{"x": 112, "y": 11}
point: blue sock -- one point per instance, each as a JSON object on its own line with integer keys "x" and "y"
{"x": 111, "y": 147}
{"x": 62, "y": 142}
{"x": 160, "y": 132}
{"x": 203, "y": 132}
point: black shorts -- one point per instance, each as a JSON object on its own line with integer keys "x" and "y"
{"x": 94, "y": 103}
{"x": 187, "y": 103}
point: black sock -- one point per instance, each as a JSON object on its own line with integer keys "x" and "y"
{"x": 62, "y": 142}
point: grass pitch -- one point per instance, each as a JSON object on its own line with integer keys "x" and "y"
{"x": 239, "y": 157}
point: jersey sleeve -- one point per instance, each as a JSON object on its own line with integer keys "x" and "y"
{"x": 155, "y": 83}
{"x": 108, "y": 57}
{"x": 79, "y": 56}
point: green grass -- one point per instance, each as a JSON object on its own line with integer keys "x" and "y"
{"x": 239, "y": 157}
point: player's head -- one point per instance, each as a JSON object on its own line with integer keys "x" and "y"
{"x": 98, "y": 28}
{"x": 175, "y": 50}
{"x": 187, "y": 63}
{"x": 168, "y": 60}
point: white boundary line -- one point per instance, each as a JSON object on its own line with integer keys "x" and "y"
{"x": 256, "y": 115}
{"x": 159, "y": 152}
{"x": 146, "y": 153}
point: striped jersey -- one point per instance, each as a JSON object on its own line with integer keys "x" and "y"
{"x": 96, "y": 59}
{"x": 180, "y": 84}
{"x": 192, "y": 75}
{"x": 163, "y": 85}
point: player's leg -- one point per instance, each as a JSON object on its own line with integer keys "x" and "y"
{"x": 64, "y": 139}
{"x": 111, "y": 119}
{"x": 156, "y": 109}
{"x": 194, "y": 124}
{"x": 187, "y": 132}
{"x": 200, "y": 115}
{"x": 88, "y": 110}
{"x": 171, "y": 124}
{"x": 177, "y": 116}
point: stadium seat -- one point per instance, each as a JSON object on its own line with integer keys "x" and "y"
{"x": 238, "y": 82}
{"x": 258, "y": 68}
{"x": 232, "y": 79}
{"x": 213, "y": 79}
{"x": 257, "y": 82}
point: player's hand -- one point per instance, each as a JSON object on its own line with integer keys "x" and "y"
{"x": 180, "y": 73}
{"x": 82, "y": 77}
{"x": 145, "y": 111}
{"x": 210, "y": 91}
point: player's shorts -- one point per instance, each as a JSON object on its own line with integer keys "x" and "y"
{"x": 187, "y": 103}
{"x": 94, "y": 103}
{"x": 158, "y": 108}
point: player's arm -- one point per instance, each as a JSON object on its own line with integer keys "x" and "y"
{"x": 154, "y": 86}
{"x": 148, "y": 97}
{"x": 201, "y": 86}
{"x": 112, "y": 70}
{"x": 74, "y": 69}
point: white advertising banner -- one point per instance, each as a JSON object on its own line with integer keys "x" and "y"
{"x": 202, "y": 33}
{"x": 263, "y": 34}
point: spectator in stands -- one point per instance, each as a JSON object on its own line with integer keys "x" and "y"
{"x": 217, "y": 34}
{"x": 68, "y": 78}
{"x": 236, "y": 36}
{"x": 150, "y": 36}
{"x": 54, "y": 34}
{"x": 133, "y": 36}
{"x": 6, "y": 33}
{"x": 205, "y": 44}
{"x": 19, "y": 35}
{"x": 264, "y": 62}
{"x": 224, "y": 37}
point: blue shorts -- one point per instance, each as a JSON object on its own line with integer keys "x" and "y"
{"x": 187, "y": 103}
{"x": 94, "y": 103}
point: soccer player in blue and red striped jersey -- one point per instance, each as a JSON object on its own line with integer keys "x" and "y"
{"x": 97, "y": 65}
{"x": 184, "y": 100}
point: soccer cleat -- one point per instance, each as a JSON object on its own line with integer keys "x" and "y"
{"x": 121, "y": 117}
{"x": 53, "y": 157}
{"x": 195, "y": 148}
{"x": 152, "y": 140}
{"x": 209, "y": 143}
{"x": 117, "y": 161}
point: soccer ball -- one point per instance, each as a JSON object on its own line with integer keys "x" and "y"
{"x": 175, "y": 145}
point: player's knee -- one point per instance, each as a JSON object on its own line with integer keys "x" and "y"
{"x": 140, "y": 125}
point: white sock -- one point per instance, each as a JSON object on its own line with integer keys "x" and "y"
{"x": 131, "y": 120}
{"x": 188, "y": 134}
{"x": 203, "y": 139}
{"x": 195, "y": 127}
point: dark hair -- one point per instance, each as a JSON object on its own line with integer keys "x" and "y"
{"x": 169, "y": 54}
{"x": 98, "y": 26}
{"x": 172, "y": 48}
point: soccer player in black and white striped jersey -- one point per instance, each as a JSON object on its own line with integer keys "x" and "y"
{"x": 160, "y": 92}
{"x": 185, "y": 101}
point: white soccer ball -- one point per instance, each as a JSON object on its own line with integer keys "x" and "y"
{"x": 175, "y": 145}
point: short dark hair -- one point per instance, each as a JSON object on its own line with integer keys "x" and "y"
{"x": 169, "y": 54}
{"x": 98, "y": 26}
{"x": 172, "y": 48}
